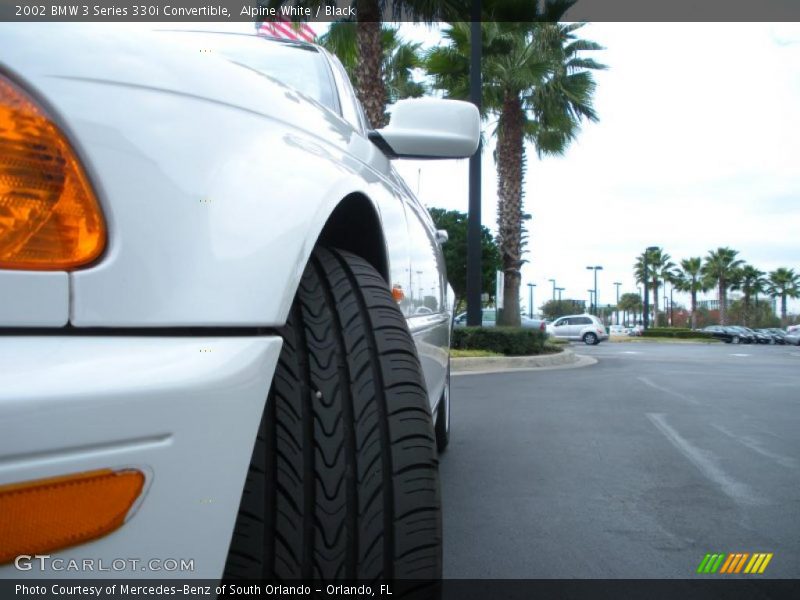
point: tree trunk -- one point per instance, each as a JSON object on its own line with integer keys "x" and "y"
{"x": 510, "y": 158}
{"x": 655, "y": 302}
{"x": 694, "y": 309}
{"x": 723, "y": 301}
{"x": 370, "y": 86}
{"x": 784, "y": 320}
{"x": 745, "y": 316}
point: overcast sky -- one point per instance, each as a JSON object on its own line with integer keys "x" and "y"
{"x": 697, "y": 147}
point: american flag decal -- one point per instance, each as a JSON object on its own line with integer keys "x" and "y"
{"x": 285, "y": 29}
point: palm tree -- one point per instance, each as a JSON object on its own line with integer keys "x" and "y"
{"x": 541, "y": 88}
{"x": 659, "y": 268}
{"x": 720, "y": 270}
{"x": 630, "y": 303}
{"x": 785, "y": 283}
{"x": 400, "y": 58}
{"x": 690, "y": 279}
{"x": 751, "y": 281}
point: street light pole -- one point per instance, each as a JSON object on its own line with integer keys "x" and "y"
{"x": 671, "y": 311}
{"x": 617, "y": 283}
{"x": 595, "y": 269}
{"x": 639, "y": 288}
{"x": 559, "y": 290}
{"x": 474, "y": 312}
{"x": 553, "y": 281}
{"x": 591, "y": 300}
{"x": 530, "y": 299}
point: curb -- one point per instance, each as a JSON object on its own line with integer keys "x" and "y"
{"x": 654, "y": 340}
{"x": 566, "y": 359}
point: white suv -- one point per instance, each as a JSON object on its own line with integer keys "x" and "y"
{"x": 587, "y": 328}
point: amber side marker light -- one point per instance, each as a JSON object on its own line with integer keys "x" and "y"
{"x": 49, "y": 216}
{"x": 45, "y": 515}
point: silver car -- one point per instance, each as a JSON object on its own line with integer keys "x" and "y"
{"x": 586, "y": 328}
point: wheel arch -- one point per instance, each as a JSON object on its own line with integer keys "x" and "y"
{"x": 355, "y": 226}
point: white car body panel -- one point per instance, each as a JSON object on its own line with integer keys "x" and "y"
{"x": 215, "y": 183}
{"x": 33, "y": 299}
{"x": 183, "y": 410}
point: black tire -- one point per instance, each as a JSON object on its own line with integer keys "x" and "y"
{"x": 590, "y": 339}
{"x": 343, "y": 481}
{"x": 442, "y": 426}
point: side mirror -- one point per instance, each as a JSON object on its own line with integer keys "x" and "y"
{"x": 442, "y": 236}
{"x": 430, "y": 128}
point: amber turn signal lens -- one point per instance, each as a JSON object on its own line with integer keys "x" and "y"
{"x": 49, "y": 514}
{"x": 49, "y": 217}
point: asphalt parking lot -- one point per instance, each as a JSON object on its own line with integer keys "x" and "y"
{"x": 635, "y": 467}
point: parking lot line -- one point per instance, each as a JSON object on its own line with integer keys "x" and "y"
{"x": 705, "y": 463}
{"x": 757, "y": 447}
{"x": 664, "y": 390}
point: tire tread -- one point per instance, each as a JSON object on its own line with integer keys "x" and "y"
{"x": 346, "y": 439}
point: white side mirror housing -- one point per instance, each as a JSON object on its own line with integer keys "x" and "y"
{"x": 430, "y": 128}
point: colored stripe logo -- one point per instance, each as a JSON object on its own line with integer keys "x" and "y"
{"x": 735, "y": 562}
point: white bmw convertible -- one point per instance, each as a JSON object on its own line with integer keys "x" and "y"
{"x": 225, "y": 318}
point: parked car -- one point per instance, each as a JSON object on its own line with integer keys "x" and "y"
{"x": 489, "y": 319}
{"x": 586, "y": 328}
{"x": 792, "y": 328}
{"x": 206, "y": 265}
{"x": 744, "y": 335}
{"x": 774, "y": 338}
{"x": 731, "y": 334}
{"x": 793, "y": 338}
{"x": 722, "y": 333}
{"x": 779, "y": 334}
{"x": 618, "y": 330}
{"x": 760, "y": 336}
{"x": 737, "y": 334}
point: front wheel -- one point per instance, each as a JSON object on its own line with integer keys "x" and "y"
{"x": 590, "y": 339}
{"x": 343, "y": 481}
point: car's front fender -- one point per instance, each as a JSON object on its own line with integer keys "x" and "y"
{"x": 213, "y": 198}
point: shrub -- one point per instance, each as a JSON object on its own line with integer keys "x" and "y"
{"x": 678, "y": 333}
{"x": 510, "y": 341}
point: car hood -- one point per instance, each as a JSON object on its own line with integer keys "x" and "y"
{"x": 142, "y": 57}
